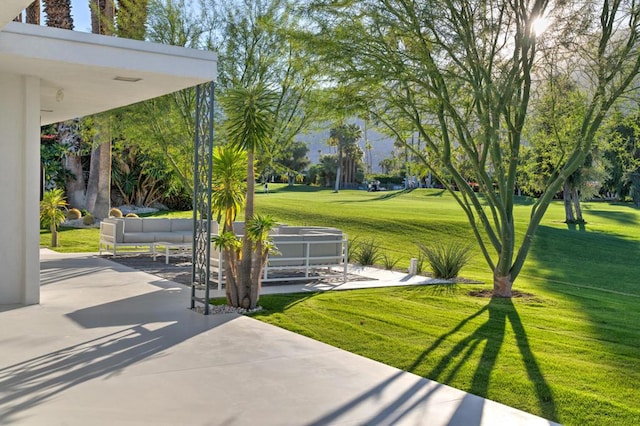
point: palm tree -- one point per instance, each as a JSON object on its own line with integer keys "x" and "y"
{"x": 33, "y": 13}
{"x": 343, "y": 137}
{"x": 249, "y": 126}
{"x": 131, "y": 17}
{"x": 229, "y": 187}
{"x": 102, "y": 16}
{"x": 52, "y": 213}
{"x": 58, "y": 13}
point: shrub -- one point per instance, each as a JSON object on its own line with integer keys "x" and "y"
{"x": 88, "y": 219}
{"x": 367, "y": 252}
{"x": 52, "y": 213}
{"x": 354, "y": 244}
{"x": 420, "y": 265}
{"x": 114, "y": 212}
{"x": 73, "y": 214}
{"x": 131, "y": 215}
{"x": 446, "y": 261}
{"x": 389, "y": 261}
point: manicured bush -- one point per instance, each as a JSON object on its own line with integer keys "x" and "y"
{"x": 131, "y": 215}
{"x": 114, "y": 212}
{"x": 446, "y": 260}
{"x": 73, "y": 214}
{"x": 88, "y": 219}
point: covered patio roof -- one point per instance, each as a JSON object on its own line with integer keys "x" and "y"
{"x": 82, "y": 74}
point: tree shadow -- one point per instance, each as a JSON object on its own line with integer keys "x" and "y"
{"x": 492, "y": 334}
{"x": 295, "y": 188}
{"x": 412, "y": 395}
{"x": 623, "y": 218}
{"x": 145, "y": 331}
{"x": 388, "y": 195}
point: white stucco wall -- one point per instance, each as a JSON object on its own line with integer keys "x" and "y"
{"x": 19, "y": 189}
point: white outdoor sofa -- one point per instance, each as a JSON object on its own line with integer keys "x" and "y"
{"x": 304, "y": 253}
{"x": 133, "y": 232}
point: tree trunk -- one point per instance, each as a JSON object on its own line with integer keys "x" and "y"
{"x": 58, "y": 13}
{"x": 256, "y": 274}
{"x": 102, "y": 16}
{"x": 338, "y": 171}
{"x": 502, "y": 285}
{"x": 75, "y": 187}
{"x": 33, "y": 13}
{"x": 99, "y": 184}
{"x": 92, "y": 182}
{"x": 54, "y": 236}
{"x": 635, "y": 188}
{"x": 244, "y": 272}
{"x": 576, "y": 204}
{"x": 568, "y": 207}
{"x": 231, "y": 286}
{"x": 103, "y": 199}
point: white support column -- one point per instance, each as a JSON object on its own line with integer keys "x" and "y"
{"x": 19, "y": 189}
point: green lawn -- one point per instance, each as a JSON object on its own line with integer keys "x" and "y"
{"x": 570, "y": 352}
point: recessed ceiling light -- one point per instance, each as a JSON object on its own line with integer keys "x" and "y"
{"x": 127, "y": 79}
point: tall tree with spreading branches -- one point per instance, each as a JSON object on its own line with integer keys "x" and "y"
{"x": 462, "y": 72}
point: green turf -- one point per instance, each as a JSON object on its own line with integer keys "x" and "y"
{"x": 570, "y": 352}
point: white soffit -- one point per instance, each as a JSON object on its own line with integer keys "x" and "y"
{"x": 82, "y": 74}
{"x": 9, "y": 9}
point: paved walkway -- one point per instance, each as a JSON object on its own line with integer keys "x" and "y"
{"x": 109, "y": 345}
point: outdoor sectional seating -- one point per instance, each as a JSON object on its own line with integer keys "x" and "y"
{"x": 304, "y": 252}
{"x": 116, "y": 233}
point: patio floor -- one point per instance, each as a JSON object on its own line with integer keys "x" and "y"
{"x": 112, "y": 345}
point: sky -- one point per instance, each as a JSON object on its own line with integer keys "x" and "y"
{"x": 81, "y": 15}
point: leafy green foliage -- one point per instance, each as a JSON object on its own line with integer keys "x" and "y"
{"x": 623, "y": 154}
{"x": 88, "y": 219}
{"x": 52, "y": 212}
{"x": 461, "y": 77}
{"x": 249, "y": 116}
{"x": 389, "y": 261}
{"x": 446, "y": 259}
{"x": 367, "y": 252}
{"x": 228, "y": 184}
{"x": 258, "y": 227}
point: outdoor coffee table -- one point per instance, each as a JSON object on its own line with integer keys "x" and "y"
{"x": 171, "y": 249}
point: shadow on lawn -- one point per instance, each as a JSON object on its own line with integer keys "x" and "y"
{"x": 492, "y": 335}
{"x": 412, "y": 395}
{"x": 623, "y": 218}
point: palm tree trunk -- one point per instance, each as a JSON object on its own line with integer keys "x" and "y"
{"x": 58, "y": 13}
{"x": 102, "y": 16}
{"x": 54, "y": 235}
{"x": 75, "y": 187}
{"x": 33, "y": 13}
{"x": 339, "y": 170}
{"x": 244, "y": 273}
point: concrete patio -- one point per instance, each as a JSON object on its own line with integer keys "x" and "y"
{"x": 112, "y": 345}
